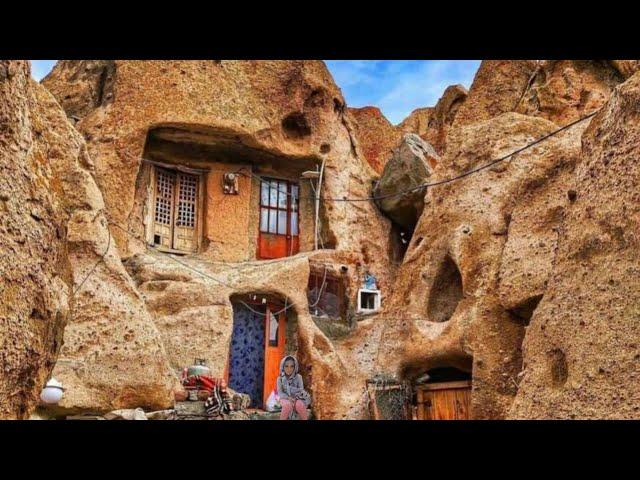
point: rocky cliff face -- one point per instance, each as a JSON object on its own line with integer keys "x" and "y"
{"x": 581, "y": 355}
{"x": 448, "y": 306}
{"x": 65, "y": 236}
{"x": 496, "y": 258}
{"x": 523, "y": 275}
{"x": 35, "y": 285}
{"x": 375, "y": 135}
{"x": 564, "y": 90}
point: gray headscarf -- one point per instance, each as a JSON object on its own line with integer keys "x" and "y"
{"x": 292, "y": 386}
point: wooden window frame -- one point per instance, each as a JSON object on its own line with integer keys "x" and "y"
{"x": 334, "y": 284}
{"x": 289, "y": 208}
{"x": 200, "y": 175}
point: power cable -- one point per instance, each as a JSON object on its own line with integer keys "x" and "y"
{"x": 440, "y": 182}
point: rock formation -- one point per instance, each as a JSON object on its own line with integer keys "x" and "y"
{"x": 565, "y": 90}
{"x": 411, "y": 165}
{"x": 432, "y": 124}
{"x": 496, "y": 89}
{"x": 448, "y": 308}
{"x": 376, "y": 136}
{"x": 35, "y": 291}
{"x": 417, "y": 122}
{"x": 283, "y": 117}
{"x": 70, "y": 229}
{"x": 581, "y": 349}
{"x": 521, "y": 276}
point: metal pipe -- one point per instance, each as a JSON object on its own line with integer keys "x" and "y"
{"x": 315, "y": 234}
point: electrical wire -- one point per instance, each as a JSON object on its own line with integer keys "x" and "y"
{"x": 74, "y": 292}
{"x": 217, "y": 280}
{"x": 440, "y": 182}
{"x": 365, "y": 199}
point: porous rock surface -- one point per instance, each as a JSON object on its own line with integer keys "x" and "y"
{"x": 375, "y": 135}
{"x": 67, "y": 238}
{"x": 411, "y": 165}
{"x": 286, "y": 109}
{"x": 581, "y": 350}
{"x": 497, "y": 88}
{"x": 433, "y": 124}
{"x": 565, "y": 90}
{"x": 290, "y": 109}
{"x": 459, "y": 299}
{"x": 35, "y": 275}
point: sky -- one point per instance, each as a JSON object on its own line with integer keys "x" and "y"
{"x": 397, "y": 87}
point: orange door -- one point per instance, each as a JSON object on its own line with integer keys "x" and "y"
{"x": 444, "y": 401}
{"x": 279, "y": 230}
{"x": 273, "y": 348}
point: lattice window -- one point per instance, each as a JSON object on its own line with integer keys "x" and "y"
{"x": 187, "y": 198}
{"x": 164, "y": 196}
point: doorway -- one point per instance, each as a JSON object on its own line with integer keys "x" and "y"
{"x": 279, "y": 234}
{"x": 257, "y": 346}
{"x": 445, "y": 395}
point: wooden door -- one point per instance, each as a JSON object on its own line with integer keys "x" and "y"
{"x": 444, "y": 401}
{"x": 176, "y": 210}
{"x": 184, "y": 232}
{"x": 274, "y": 347}
{"x": 163, "y": 203}
{"x": 279, "y": 219}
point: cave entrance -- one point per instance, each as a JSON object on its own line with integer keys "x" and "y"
{"x": 443, "y": 394}
{"x": 258, "y": 343}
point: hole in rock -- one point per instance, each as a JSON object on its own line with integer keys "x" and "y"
{"x": 524, "y": 311}
{"x": 399, "y": 239}
{"x": 558, "y": 367}
{"x": 445, "y": 293}
{"x": 295, "y": 125}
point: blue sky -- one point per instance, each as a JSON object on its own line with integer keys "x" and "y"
{"x": 397, "y": 87}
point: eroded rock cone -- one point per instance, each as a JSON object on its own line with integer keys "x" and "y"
{"x": 411, "y": 165}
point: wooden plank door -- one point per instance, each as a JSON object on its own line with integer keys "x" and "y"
{"x": 279, "y": 219}
{"x": 163, "y": 207}
{"x": 186, "y": 215}
{"x": 444, "y": 401}
{"x": 274, "y": 347}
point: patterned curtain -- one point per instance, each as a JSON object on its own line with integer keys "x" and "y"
{"x": 246, "y": 365}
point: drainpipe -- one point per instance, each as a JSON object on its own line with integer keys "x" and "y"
{"x": 319, "y": 186}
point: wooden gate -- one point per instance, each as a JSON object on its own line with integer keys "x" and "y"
{"x": 279, "y": 229}
{"x": 443, "y": 401}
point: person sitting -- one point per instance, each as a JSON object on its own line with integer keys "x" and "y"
{"x": 291, "y": 390}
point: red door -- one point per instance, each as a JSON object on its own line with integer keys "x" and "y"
{"x": 279, "y": 219}
{"x": 273, "y": 348}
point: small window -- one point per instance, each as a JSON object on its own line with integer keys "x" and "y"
{"x": 326, "y": 295}
{"x": 368, "y": 300}
{"x": 273, "y": 330}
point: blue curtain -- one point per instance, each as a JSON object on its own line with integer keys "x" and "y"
{"x": 246, "y": 365}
